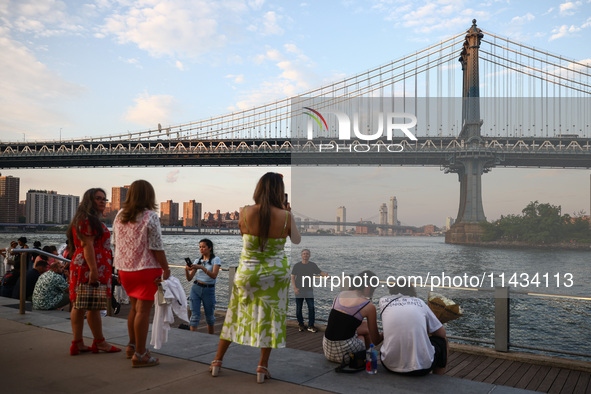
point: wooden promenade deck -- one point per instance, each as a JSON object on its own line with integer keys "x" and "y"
{"x": 520, "y": 370}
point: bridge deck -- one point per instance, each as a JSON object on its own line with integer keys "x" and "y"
{"x": 520, "y": 371}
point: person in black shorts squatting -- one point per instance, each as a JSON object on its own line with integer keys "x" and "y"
{"x": 303, "y": 289}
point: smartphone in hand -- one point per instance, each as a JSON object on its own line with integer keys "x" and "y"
{"x": 189, "y": 262}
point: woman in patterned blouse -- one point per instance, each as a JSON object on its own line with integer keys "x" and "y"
{"x": 141, "y": 263}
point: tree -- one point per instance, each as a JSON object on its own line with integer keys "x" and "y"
{"x": 539, "y": 224}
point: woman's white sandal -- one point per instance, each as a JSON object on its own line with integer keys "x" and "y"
{"x": 215, "y": 369}
{"x": 261, "y": 376}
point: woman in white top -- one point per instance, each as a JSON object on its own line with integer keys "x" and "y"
{"x": 141, "y": 263}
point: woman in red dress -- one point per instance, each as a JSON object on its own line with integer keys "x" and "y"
{"x": 91, "y": 263}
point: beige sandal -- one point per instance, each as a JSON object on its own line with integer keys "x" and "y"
{"x": 142, "y": 362}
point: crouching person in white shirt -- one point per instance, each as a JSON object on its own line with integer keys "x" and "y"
{"x": 414, "y": 339}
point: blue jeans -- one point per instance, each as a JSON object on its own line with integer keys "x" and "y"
{"x": 311, "y": 312}
{"x": 199, "y": 294}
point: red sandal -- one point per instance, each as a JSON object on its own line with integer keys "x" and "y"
{"x": 75, "y": 350}
{"x": 94, "y": 348}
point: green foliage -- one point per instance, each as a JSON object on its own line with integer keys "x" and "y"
{"x": 539, "y": 224}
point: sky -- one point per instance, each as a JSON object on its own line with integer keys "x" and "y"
{"x": 91, "y": 68}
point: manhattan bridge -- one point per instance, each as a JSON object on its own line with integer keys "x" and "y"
{"x": 476, "y": 101}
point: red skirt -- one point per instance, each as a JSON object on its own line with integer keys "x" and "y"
{"x": 140, "y": 284}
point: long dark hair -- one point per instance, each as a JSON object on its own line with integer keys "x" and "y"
{"x": 210, "y": 246}
{"x": 86, "y": 210}
{"x": 268, "y": 193}
{"x": 140, "y": 196}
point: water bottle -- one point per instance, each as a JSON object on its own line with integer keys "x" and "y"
{"x": 371, "y": 360}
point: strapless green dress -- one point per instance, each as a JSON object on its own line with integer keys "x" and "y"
{"x": 258, "y": 304}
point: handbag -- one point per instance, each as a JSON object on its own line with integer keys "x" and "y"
{"x": 352, "y": 362}
{"x": 91, "y": 298}
{"x": 160, "y": 296}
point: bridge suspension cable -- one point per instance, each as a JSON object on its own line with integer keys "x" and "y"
{"x": 527, "y": 92}
{"x": 415, "y": 84}
{"x": 273, "y": 120}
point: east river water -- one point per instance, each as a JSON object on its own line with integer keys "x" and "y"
{"x": 549, "y": 322}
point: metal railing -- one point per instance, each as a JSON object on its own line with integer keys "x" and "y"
{"x": 23, "y": 272}
{"x": 501, "y": 342}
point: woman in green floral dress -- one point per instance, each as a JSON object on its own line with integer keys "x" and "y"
{"x": 258, "y": 304}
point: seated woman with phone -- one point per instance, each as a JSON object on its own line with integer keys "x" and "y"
{"x": 205, "y": 271}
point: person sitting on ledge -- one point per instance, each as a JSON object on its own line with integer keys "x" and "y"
{"x": 51, "y": 290}
{"x": 32, "y": 276}
{"x": 9, "y": 281}
{"x": 346, "y": 332}
{"x": 414, "y": 339}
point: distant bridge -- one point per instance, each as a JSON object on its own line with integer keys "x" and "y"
{"x": 369, "y": 225}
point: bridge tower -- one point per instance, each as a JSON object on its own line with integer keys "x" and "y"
{"x": 472, "y": 161}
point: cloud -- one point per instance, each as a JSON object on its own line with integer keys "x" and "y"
{"x": 256, "y": 4}
{"x": 523, "y": 19}
{"x": 149, "y": 111}
{"x": 568, "y": 8}
{"x": 172, "y": 176}
{"x": 268, "y": 25}
{"x": 236, "y": 78}
{"x": 428, "y": 16}
{"x": 178, "y": 64}
{"x": 294, "y": 77}
{"x": 132, "y": 61}
{"x": 31, "y": 93}
{"x": 184, "y": 28}
{"x": 563, "y": 31}
{"x": 271, "y": 24}
{"x": 42, "y": 18}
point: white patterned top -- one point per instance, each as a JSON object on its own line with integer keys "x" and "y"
{"x": 135, "y": 241}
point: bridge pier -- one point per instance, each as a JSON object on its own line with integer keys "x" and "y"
{"x": 473, "y": 161}
{"x": 464, "y": 233}
{"x": 467, "y": 228}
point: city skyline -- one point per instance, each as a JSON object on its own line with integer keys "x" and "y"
{"x": 84, "y": 69}
{"x": 439, "y": 200}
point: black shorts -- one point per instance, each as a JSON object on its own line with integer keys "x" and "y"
{"x": 439, "y": 358}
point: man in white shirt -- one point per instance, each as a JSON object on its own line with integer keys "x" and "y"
{"x": 414, "y": 339}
